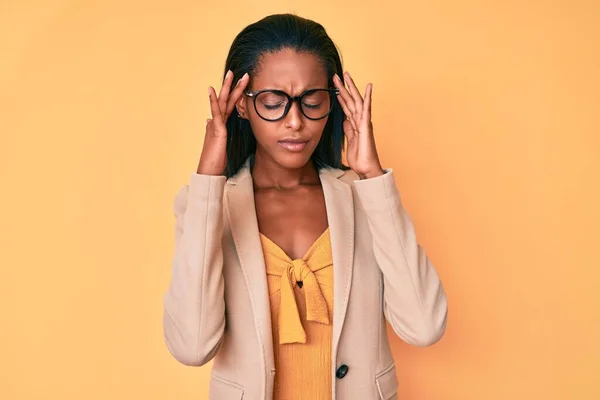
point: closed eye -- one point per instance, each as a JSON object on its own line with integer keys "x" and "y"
{"x": 312, "y": 106}
{"x": 272, "y": 106}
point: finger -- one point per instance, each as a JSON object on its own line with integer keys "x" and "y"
{"x": 349, "y": 130}
{"x": 240, "y": 86}
{"x": 349, "y": 116}
{"x": 214, "y": 106}
{"x": 358, "y": 100}
{"x": 344, "y": 106}
{"x": 224, "y": 93}
{"x": 346, "y": 102}
{"x": 344, "y": 94}
{"x": 367, "y": 103}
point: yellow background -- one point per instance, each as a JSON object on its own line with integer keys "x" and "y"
{"x": 487, "y": 111}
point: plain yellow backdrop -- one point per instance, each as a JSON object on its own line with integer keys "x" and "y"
{"x": 487, "y": 111}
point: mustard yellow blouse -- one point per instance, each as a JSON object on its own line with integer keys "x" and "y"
{"x": 301, "y": 300}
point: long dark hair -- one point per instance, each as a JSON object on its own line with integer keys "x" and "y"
{"x": 271, "y": 34}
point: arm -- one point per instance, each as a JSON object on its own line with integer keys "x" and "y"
{"x": 414, "y": 299}
{"x": 194, "y": 313}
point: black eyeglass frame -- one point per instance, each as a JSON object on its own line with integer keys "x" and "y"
{"x": 292, "y": 99}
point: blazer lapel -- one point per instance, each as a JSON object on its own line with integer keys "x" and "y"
{"x": 241, "y": 212}
{"x": 244, "y": 229}
{"x": 340, "y": 215}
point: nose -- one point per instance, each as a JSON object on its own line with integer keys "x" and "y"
{"x": 294, "y": 118}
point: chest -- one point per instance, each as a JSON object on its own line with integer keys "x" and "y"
{"x": 292, "y": 219}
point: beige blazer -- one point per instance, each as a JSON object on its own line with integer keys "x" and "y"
{"x": 217, "y": 304}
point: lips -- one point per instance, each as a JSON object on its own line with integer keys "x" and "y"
{"x": 293, "y": 145}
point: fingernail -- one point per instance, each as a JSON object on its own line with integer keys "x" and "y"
{"x": 245, "y": 76}
{"x": 228, "y": 74}
{"x": 348, "y": 75}
{"x": 209, "y": 92}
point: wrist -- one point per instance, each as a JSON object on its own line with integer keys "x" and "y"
{"x": 207, "y": 169}
{"x": 372, "y": 174}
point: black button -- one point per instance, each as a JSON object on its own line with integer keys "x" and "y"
{"x": 341, "y": 371}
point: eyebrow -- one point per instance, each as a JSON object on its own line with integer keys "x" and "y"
{"x": 284, "y": 91}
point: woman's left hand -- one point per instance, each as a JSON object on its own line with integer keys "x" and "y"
{"x": 361, "y": 151}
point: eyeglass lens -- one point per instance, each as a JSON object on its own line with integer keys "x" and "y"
{"x": 272, "y": 105}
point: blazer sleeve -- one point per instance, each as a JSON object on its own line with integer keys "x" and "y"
{"x": 194, "y": 304}
{"x": 414, "y": 299}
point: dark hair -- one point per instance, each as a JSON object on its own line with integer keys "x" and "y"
{"x": 272, "y": 34}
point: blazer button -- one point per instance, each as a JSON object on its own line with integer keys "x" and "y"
{"x": 341, "y": 371}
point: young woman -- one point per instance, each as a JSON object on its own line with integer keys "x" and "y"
{"x": 288, "y": 263}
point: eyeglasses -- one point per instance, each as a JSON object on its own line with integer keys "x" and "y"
{"x": 273, "y": 105}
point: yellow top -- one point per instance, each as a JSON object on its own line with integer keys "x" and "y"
{"x": 301, "y": 316}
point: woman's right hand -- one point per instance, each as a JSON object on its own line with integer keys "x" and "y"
{"x": 214, "y": 152}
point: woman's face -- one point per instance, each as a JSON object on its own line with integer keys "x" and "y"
{"x": 290, "y": 141}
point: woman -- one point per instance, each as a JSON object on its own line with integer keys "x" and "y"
{"x": 287, "y": 262}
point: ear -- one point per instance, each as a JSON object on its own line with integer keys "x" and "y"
{"x": 240, "y": 105}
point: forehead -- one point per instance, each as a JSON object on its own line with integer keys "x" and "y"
{"x": 290, "y": 71}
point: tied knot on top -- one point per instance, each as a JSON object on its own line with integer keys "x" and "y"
{"x": 298, "y": 271}
{"x": 292, "y": 272}
{"x": 308, "y": 274}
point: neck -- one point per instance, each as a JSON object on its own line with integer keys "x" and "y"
{"x": 267, "y": 174}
